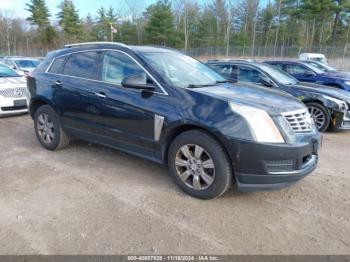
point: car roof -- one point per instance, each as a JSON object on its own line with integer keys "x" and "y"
{"x": 71, "y": 48}
{"x": 243, "y": 62}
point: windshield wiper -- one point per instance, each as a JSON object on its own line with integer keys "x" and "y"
{"x": 199, "y": 86}
{"x": 226, "y": 81}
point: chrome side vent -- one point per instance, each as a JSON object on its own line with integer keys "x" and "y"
{"x": 299, "y": 120}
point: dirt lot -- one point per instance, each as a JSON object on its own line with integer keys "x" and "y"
{"x": 91, "y": 200}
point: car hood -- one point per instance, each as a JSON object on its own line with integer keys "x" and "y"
{"x": 11, "y": 82}
{"x": 339, "y": 74}
{"x": 272, "y": 101}
{"x": 26, "y": 69}
{"x": 325, "y": 90}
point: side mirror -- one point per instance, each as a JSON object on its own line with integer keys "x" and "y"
{"x": 13, "y": 67}
{"x": 309, "y": 73}
{"x": 138, "y": 81}
{"x": 266, "y": 82}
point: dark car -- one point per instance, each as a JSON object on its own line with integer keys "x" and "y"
{"x": 328, "y": 106}
{"x": 326, "y": 68}
{"x": 306, "y": 72}
{"x": 162, "y": 105}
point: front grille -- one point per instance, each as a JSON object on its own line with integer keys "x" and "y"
{"x": 13, "y": 92}
{"x": 273, "y": 166}
{"x": 346, "y": 124}
{"x": 300, "y": 120}
{"x": 12, "y": 108}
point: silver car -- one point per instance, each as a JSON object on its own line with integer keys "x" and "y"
{"x": 13, "y": 92}
{"x": 22, "y": 65}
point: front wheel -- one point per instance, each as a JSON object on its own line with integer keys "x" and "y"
{"x": 320, "y": 115}
{"x": 199, "y": 165}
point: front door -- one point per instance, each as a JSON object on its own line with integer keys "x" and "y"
{"x": 124, "y": 119}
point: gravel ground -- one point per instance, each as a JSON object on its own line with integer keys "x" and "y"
{"x": 87, "y": 199}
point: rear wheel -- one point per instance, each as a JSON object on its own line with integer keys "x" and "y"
{"x": 48, "y": 129}
{"x": 199, "y": 165}
{"x": 320, "y": 116}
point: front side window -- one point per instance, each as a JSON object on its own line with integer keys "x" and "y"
{"x": 248, "y": 75}
{"x": 296, "y": 70}
{"x": 116, "y": 66}
{"x": 181, "y": 70}
{"x": 84, "y": 64}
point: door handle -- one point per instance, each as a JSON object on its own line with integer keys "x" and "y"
{"x": 58, "y": 83}
{"x": 101, "y": 95}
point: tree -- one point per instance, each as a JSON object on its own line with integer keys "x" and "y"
{"x": 266, "y": 20}
{"x": 104, "y": 21}
{"x": 160, "y": 24}
{"x": 68, "y": 19}
{"x": 127, "y": 33}
{"x": 39, "y": 13}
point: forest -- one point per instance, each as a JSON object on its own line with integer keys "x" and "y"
{"x": 249, "y": 28}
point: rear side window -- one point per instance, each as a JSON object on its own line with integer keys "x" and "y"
{"x": 83, "y": 65}
{"x": 224, "y": 70}
{"x": 116, "y": 66}
{"x": 57, "y": 65}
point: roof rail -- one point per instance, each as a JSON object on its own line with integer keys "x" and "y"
{"x": 94, "y": 43}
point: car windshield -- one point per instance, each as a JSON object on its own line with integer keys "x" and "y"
{"x": 278, "y": 75}
{"x": 27, "y": 63}
{"x": 323, "y": 67}
{"x": 181, "y": 70}
{"x": 314, "y": 68}
{"x": 5, "y": 71}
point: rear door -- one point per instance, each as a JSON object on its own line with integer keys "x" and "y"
{"x": 73, "y": 95}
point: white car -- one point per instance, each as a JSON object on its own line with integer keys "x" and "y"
{"x": 22, "y": 65}
{"x": 13, "y": 92}
{"x": 313, "y": 57}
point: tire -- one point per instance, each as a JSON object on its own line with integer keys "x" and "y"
{"x": 46, "y": 121}
{"x": 321, "y": 116}
{"x": 210, "y": 158}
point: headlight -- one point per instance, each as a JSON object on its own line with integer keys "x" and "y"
{"x": 347, "y": 83}
{"x": 260, "y": 123}
{"x": 342, "y": 105}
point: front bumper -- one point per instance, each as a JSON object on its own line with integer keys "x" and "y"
{"x": 341, "y": 120}
{"x": 272, "y": 166}
{"x": 10, "y": 106}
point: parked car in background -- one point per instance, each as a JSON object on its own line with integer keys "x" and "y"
{"x": 162, "y": 105}
{"x": 306, "y": 72}
{"x": 326, "y": 68}
{"x": 13, "y": 92}
{"x": 329, "y": 107}
{"x": 321, "y": 66}
{"x": 22, "y": 65}
{"x": 313, "y": 57}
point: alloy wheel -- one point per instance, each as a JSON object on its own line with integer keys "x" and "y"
{"x": 45, "y": 128}
{"x": 318, "y": 116}
{"x": 195, "y": 167}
